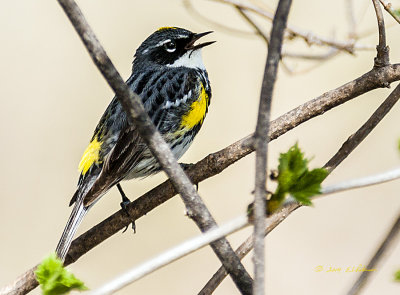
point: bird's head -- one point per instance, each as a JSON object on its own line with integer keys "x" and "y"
{"x": 171, "y": 47}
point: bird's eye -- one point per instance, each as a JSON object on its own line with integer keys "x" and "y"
{"x": 170, "y": 46}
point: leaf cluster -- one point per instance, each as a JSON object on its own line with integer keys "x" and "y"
{"x": 295, "y": 179}
{"x": 54, "y": 279}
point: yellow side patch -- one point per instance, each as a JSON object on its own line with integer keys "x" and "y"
{"x": 197, "y": 111}
{"x": 90, "y": 156}
{"x": 166, "y": 28}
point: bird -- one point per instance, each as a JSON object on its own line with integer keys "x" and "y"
{"x": 169, "y": 76}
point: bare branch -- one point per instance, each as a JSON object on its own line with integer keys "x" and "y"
{"x": 317, "y": 57}
{"x": 132, "y": 104}
{"x": 261, "y": 141}
{"x": 382, "y": 57}
{"x": 355, "y": 139}
{"x": 361, "y": 182}
{"x": 247, "y": 17}
{"x": 387, "y": 244}
{"x": 309, "y": 37}
{"x": 215, "y": 163}
{"x": 390, "y": 10}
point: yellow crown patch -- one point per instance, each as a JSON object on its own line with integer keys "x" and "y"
{"x": 166, "y": 28}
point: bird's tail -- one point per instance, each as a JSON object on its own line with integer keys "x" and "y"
{"x": 70, "y": 229}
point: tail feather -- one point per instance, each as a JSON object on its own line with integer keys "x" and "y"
{"x": 75, "y": 219}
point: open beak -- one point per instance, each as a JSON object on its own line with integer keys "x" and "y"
{"x": 191, "y": 46}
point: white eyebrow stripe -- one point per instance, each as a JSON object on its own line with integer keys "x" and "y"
{"x": 163, "y": 42}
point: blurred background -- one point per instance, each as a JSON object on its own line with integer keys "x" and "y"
{"x": 52, "y": 97}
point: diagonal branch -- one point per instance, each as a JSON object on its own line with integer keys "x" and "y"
{"x": 387, "y": 244}
{"x": 261, "y": 141}
{"x": 390, "y": 10}
{"x": 132, "y": 104}
{"x": 355, "y": 139}
{"x": 214, "y": 164}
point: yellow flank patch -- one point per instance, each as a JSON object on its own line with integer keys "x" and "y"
{"x": 197, "y": 111}
{"x": 90, "y": 156}
{"x": 166, "y": 28}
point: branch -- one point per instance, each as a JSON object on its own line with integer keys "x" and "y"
{"x": 387, "y": 244}
{"x": 362, "y": 182}
{"x": 382, "y": 57}
{"x": 390, "y": 10}
{"x": 261, "y": 141}
{"x": 309, "y": 37}
{"x": 214, "y": 164}
{"x": 247, "y": 17}
{"x": 355, "y": 139}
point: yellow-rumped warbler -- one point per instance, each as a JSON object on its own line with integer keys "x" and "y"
{"x": 169, "y": 75}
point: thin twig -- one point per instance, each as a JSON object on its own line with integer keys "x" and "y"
{"x": 355, "y": 139}
{"x": 309, "y": 37}
{"x": 261, "y": 141}
{"x": 349, "y": 146}
{"x": 382, "y": 57}
{"x": 390, "y": 10}
{"x": 362, "y": 182}
{"x": 195, "y": 207}
{"x": 317, "y": 57}
{"x": 247, "y": 17}
{"x": 210, "y": 21}
{"x": 387, "y": 244}
{"x": 214, "y": 164}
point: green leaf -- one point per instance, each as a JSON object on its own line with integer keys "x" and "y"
{"x": 295, "y": 179}
{"x": 396, "y": 12}
{"x": 308, "y": 185}
{"x": 292, "y": 165}
{"x": 54, "y": 279}
{"x": 397, "y": 276}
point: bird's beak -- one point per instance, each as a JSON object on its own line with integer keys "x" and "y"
{"x": 191, "y": 46}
